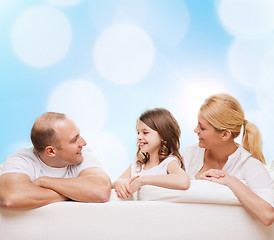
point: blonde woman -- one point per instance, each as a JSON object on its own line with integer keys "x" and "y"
{"x": 218, "y": 158}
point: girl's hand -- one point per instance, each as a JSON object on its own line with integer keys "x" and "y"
{"x": 215, "y": 175}
{"x": 122, "y": 187}
{"x": 136, "y": 184}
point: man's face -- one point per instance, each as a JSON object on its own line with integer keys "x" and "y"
{"x": 71, "y": 143}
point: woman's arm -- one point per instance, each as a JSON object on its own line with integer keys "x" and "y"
{"x": 255, "y": 205}
{"x": 175, "y": 179}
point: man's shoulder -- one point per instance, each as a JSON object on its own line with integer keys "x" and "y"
{"x": 23, "y": 161}
{"x": 25, "y": 153}
{"x": 89, "y": 159}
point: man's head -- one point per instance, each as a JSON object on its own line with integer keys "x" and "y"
{"x": 57, "y": 140}
{"x": 43, "y": 133}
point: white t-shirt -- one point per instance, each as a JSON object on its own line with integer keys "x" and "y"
{"x": 240, "y": 164}
{"x": 160, "y": 169}
{"x": 28, "y": 162}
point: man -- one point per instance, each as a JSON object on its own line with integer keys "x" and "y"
{"x": 54, "y": 170}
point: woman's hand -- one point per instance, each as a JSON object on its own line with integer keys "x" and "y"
{"x": 123, "y": 188}
{"x": 215, "y": 175}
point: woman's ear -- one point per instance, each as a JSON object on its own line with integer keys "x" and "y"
{"x": 226, "y": 134}
{"x": 50, "y": 151}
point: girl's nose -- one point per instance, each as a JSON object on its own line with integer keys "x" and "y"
{"x": 139, "y": 136}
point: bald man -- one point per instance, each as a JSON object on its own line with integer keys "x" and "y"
{"x": 55, "y": 169}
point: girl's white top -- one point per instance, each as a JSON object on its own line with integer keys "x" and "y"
{"x": 160, "y": 169}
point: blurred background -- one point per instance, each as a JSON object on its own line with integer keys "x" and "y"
{"x": 104, "y": 62}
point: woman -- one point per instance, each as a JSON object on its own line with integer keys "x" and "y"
{"x": 218, "y": 158}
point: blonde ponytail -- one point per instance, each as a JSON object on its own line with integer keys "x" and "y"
{"x": 252, "y": 141}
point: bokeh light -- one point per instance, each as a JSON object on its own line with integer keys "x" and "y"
{"x": 247, "y": 17}
{"x": 124, "y": 53}
{"x": 83, "y": 102}
{"x": 41, "y": 36}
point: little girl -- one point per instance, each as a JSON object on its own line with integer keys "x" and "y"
{"x": 158, "y": 161}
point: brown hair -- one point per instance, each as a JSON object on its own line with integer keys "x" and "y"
{"x": 162, "y": 121}
{"x": 43, "y": 133}
{"x": 223, "y": 112}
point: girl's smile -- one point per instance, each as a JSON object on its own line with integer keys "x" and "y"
{"x": 149, "y": 140}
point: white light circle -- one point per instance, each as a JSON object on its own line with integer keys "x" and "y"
{"x": 111, "y": 152}
{"x": 83, "y": 102}
{"x": 194, "y": 93}
{"x": 63, "y": 3}
{"x": 123, "y": 54}
{"x": 266, "y": 118}
{"x": 41, "y": 36}
{"x": 245, "y": 56}
{"x": 267, "y": 72}
{"x": 247, "y": 17}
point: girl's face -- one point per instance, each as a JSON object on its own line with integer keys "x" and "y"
{"x": 209, "y": 137}
{"x": 149, "y": 139}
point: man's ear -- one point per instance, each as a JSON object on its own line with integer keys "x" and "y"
{"x": 50, "y": 151}
{"x": 226, "y": 134}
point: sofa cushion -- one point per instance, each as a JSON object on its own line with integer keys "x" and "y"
{"x": 200, "y": 191}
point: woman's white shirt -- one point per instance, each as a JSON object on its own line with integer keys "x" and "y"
{"x": 240, "y": 164}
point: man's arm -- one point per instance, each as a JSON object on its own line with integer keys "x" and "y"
{"x": 92, "y": 185}
{"x": 18, "y": 192}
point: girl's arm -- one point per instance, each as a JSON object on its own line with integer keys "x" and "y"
{"x": 122, "y": 184}
{"x": 255, "y": 205}
{"x": 175, "y": 179}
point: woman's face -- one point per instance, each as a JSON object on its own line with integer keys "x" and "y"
{"x": 209, "y": 137}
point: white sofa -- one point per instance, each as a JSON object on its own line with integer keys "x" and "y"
{"x": 206, "y": 211}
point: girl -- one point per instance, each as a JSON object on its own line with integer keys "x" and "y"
{"x": 220, "y": 159}
{"x": 158, "y": 161}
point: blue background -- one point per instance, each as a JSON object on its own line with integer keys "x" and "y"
{"x": 104, "y": 62}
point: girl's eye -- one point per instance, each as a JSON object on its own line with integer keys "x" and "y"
{"x": 146, "y": 132}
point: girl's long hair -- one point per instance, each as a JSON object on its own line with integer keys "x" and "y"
{"x": 162, "y": 121}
